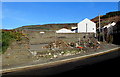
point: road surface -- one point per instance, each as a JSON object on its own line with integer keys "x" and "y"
{"x": 79, "y": 64}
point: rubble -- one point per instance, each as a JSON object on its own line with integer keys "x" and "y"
{"x": 33, "y": 53}
{"x": 55, "y": 56}
{"x": 61, "y": 48}
{"x": 89, "y": 43}
{"x": 81, "y": 44}
{"x": 56, "y": 45}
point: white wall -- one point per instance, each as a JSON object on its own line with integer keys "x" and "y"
{"x": 91, "y": 26}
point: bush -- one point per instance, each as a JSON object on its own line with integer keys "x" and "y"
{"x": 8, "y": 37}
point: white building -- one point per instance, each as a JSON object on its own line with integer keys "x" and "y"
{"x": 110, "y": 25}
{"x": 86, "y": 26}
{"x": 64, "y": 30}
{"x": 42, "y": 32}
{"x": 73, "y": 27}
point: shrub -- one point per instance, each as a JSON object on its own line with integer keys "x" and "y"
{"x": 8, "y": 37}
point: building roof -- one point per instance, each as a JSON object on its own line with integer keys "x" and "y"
{"x": 109, "y": 25}
{"x": 86, "y": 20}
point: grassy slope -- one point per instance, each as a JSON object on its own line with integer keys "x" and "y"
{"x": 7, "y": 37}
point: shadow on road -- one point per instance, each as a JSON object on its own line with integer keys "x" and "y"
{"x": 109, "y": 67}
{"x": 104, "y": 68}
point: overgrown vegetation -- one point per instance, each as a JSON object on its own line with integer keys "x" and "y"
{"x": 8, "y": 36}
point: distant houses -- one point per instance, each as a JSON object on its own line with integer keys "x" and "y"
{"x": 85, "y": 26}
{"x": 64, "y": 30}
{"x": 109, "y": 27}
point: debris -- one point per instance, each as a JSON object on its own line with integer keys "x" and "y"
{"x": 98, "y": 47}
{"x": 72, "y": 44}
{"x": 79, "y": 47}
{"x": 33, "y": 53}
{"x": 90, "y": 43}
{"x": 62, "y": 48}
{"x": 7, "y": 57}
{"x": 98, "y": 42}
{"x": 51, "y": 58}
{"x": 49, "y": 54}
{"x": 62, "y": 52}
{"x": 56, "y": 45}
{"x": 67, "y": 54}
{"x": 55, "y": 56}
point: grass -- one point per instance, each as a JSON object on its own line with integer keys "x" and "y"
{"x": 7, "y": 38}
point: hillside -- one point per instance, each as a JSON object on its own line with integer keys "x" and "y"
{"x": 108, "y": 18}
{"x": 105, "y": 19}
{"x": 49, "y": 26}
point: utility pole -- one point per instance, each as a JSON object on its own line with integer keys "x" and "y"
{"x": 86, "y": 30}
{"x": 99, "y": 28}
{"x": 86, "y": 27}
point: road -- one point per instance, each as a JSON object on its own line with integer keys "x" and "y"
{"x": 98, "y": 63}
{"x": 107, "y": 68}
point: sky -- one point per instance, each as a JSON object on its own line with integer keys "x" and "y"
{"x": 60, "y": 0}
{"x": 17, "y": 14}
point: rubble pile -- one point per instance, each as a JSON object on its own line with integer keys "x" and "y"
{"x": 81, "y": 44}
{"x": 58, "y": 44}
{"x": 90, "y": 43}
{"x": 62, "y": 48}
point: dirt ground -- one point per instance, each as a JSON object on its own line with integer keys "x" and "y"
{"x": 32, "y": 51}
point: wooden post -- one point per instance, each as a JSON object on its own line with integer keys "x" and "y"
{"x": 86, "y": 30}
{"x": 99, "y": 27}
{"x": 86, "y": 27}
